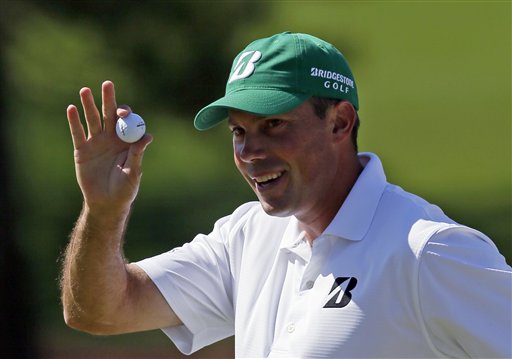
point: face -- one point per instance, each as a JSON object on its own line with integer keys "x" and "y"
{"x": 288, "y": 160}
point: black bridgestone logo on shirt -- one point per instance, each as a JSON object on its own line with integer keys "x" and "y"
{"x": 339, "y": 298}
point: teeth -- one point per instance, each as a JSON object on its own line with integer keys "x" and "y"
{"x": 268, "y": 177}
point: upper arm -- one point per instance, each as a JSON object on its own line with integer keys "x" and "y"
{"x": 465, "y": 289}
{"x": 196, "y": 282}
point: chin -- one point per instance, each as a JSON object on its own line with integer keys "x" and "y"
{"x": 276, "y": 211}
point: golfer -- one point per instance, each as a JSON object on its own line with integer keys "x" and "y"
{"x": 332, "y": 261}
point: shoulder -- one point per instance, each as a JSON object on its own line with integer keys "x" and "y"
{"x": 247, "y": 221}
{"x": 411, "y": 206}
{"x": 433, "y": 241}
{"x": 407, "y": 219}
{"x": 454, "y": 244}
{"x": 464, "y": 288}
{"x": 429, "y": 231}
{"x": 243, "y": 214}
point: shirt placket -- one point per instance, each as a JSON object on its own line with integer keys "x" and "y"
{"x": 305, "y": 273}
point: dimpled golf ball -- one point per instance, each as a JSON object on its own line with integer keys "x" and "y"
{"x": 131, "y": 128}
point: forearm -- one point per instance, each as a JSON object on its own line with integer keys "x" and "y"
{"x": 101, "y": 293}
{"x": 94, "y": 275}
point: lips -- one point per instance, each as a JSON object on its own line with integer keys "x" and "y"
{"x": 267, "y": 181}
{"x": 266, "y": 178}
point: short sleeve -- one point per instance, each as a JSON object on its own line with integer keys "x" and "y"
{"x": 465, "y": 295}
{"x": 196, "y": 281}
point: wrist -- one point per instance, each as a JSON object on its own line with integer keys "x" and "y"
{"x": 106, "y": 217}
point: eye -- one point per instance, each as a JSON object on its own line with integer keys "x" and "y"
{"x": 273, "y": 123}
{"x": 237, "y": 131}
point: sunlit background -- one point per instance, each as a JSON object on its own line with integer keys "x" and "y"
{"x": 434, "y": 82}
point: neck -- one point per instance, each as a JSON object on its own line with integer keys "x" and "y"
{"x": 313, "y": 226}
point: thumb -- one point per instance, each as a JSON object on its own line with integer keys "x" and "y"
{"x": 136, "y": 153}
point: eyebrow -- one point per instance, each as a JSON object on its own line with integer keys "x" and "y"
{"x": 231, "y": 121}
{"x": 258, "y": 117}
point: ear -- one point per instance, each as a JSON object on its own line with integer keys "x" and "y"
{"x": 343, "y": 119}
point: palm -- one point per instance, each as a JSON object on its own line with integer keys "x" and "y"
{"x": 101, "y": 171}
{"x": 108, "y": 170}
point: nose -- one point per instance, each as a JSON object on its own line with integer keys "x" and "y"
{"x": 251, "y": 148}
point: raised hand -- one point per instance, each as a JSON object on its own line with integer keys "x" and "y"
{"x": 98, "y": 285}
{"x": 108, "y": 170}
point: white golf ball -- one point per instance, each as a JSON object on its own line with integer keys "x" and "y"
{"x": 131, "y": 128}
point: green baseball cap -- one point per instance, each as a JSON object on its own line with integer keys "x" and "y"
{"x": 278, "y": 73}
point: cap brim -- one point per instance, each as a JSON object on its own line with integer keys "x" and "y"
{"x": 263, "y": 102}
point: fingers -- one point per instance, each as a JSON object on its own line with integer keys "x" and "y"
{"x": 123, "y": 111}
{"x": 110, "y": 113}
{"x": 109, "y": 106}
{"x": 92, "y": 116}
{"x": 75, "y": 126}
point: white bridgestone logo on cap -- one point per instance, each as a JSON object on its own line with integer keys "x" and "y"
{"x": 340, "y": 82}
{"x": 331, "y": 75}
{"x": 241, "y": 72}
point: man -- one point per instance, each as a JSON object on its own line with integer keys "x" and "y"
{"x": 332, "y": 261}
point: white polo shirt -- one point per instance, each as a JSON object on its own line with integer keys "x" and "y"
{"x": 391, "y": 277}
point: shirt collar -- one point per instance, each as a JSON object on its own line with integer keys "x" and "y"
{"x": 293, "y": 236}
{"x": 356, "y": 214}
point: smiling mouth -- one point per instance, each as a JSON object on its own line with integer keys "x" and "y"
{"x": 266, "y": 180}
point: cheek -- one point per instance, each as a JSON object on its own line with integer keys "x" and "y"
{"x": 314, "y": 161}
{"x": 236, "y": 152}
{"x": 310, "y": 165}
{"x": 238, "y": 163}
{"x": 241, "y": 168}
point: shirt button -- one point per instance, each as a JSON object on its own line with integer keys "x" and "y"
{"x": 310, "y": 284}
{"x": 291, "y": 328}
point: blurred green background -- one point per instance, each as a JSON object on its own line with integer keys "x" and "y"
{"x": 434, "y": 82}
